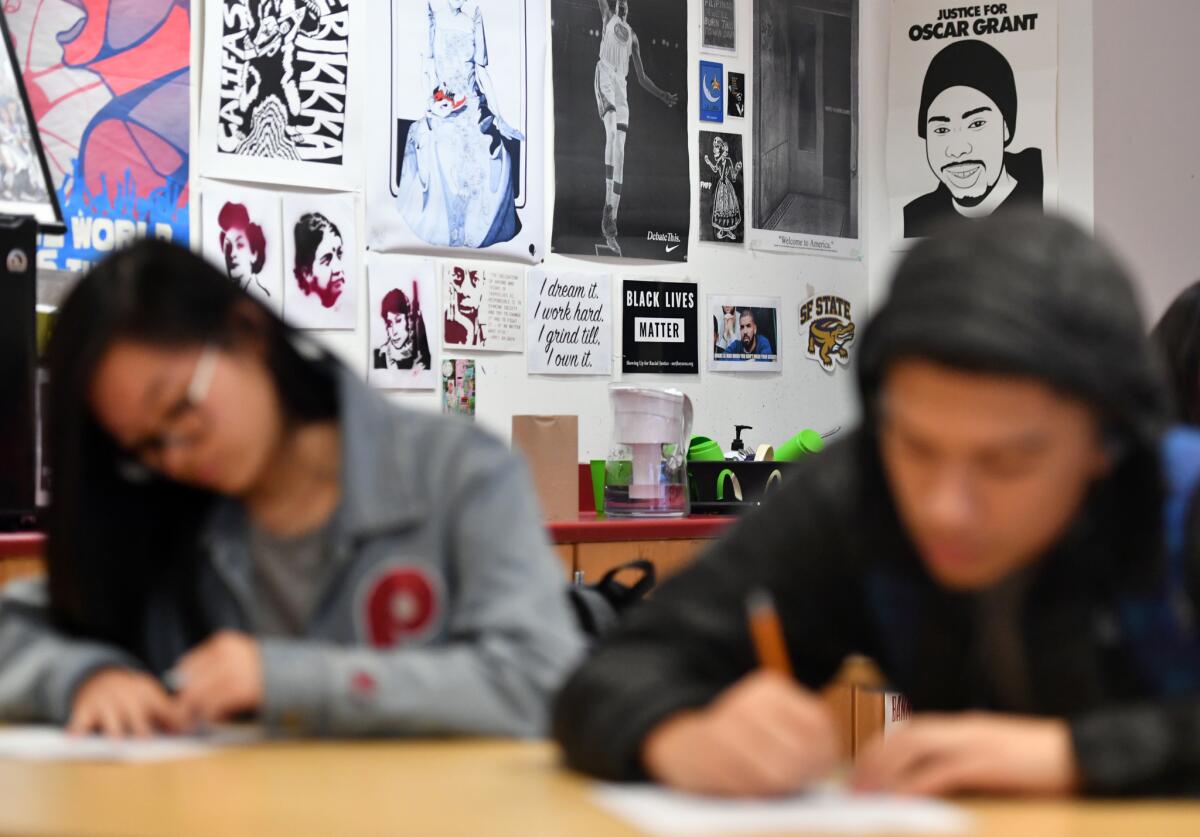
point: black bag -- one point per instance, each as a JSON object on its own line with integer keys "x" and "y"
{"x": 598, "y": 606}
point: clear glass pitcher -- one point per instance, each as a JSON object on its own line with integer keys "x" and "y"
{"x": 645, "y": 474}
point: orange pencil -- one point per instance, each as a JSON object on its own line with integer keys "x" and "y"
{"x": 767, "y": 633}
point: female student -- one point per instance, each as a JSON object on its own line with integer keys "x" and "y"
{"x": 240, "y": 526}
{"x": 1177, "y": 335}
{"x": 992, "y": 535}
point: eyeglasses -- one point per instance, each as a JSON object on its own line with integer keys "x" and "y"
{"x": 183, "y": 422}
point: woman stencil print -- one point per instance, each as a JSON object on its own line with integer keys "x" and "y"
{"x": 726, "y": 209}
{"x": 456, "y": 183}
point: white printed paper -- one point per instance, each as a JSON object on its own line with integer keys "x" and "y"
{"x": 320, "y": 260}
{"x": 570, "y": 323}
{"x": 43, "y": 743}
{"x": 403, "y": 353}
{"x": 483, "y": 308}
{"x": 242, "y": 234}
{"x": 972, "y": 112}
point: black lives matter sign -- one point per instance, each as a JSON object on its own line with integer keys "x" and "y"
{"x": 658, "y": 327}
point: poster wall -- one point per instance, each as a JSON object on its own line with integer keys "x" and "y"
{"x": 722, "y": 197}
{"x": 745, "y": 334}
{"x": 622, "y": 187}
{"x": 402, "y": 355}
{"x": 719, "y": 30}
{"x": 972, "y": 112}
{"x": 242, "y": 233}
{"x": 483, "y": 309}
{"x": 320, "y": 260}
{"x": 457, "y": 134}
{"x": 277, "y": 104}
{"x": 570, "y": 323}
{"x": 658, "y": 327}
{"x": 806, "y": 185}
{"x": 110, "y": 95}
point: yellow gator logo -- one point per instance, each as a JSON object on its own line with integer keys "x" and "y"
{"x": 830, "y": 326}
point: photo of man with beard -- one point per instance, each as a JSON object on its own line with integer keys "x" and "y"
{"x": 968, "y": 117}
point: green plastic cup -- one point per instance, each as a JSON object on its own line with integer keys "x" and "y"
{"x": 804, "y": 442}
{"x": 704, "y": 449}
{"x": 597, "y": 466}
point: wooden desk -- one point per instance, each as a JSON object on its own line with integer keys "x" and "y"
{"x": 593, "y": 544}
{"x": 474, "y": 789}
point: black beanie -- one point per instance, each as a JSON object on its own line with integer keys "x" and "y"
{"x": 1023, "y": 294}
{"x": 971, "y": 64}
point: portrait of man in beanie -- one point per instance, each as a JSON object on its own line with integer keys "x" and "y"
{"x": 968, "y": 118}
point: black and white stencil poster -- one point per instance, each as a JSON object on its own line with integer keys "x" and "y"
{"x": 972, "y": 112}
{"x": 456, "y": 131}
{"x": 276, "y": 101}
{"x": 806, "y": 185}
{"x": 569, "y": 331}
{"x": 658, "y": 327}
{"x": 721, "y": 195}
{"x": 621, "y": 116}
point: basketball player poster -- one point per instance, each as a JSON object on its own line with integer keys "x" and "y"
{"x": 621, "y": 113}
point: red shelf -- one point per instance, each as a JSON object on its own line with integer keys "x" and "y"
{"x": 22, "y": 544}
{"x": 590, "y": 527}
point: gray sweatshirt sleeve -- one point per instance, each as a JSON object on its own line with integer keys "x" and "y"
{"x": 511, "y": 639}
{"x": 40, "y": 670}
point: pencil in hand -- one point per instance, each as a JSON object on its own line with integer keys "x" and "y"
{"x": 766, "y": 632}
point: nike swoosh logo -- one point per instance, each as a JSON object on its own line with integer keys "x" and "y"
{"x": 672, "y": 247}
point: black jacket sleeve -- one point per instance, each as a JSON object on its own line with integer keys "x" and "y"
{"x": 690, "y": 641}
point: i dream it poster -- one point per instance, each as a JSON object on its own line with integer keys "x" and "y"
{"x": 972, "y": 113}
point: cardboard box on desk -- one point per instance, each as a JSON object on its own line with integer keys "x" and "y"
{"x": 551, "y": 447}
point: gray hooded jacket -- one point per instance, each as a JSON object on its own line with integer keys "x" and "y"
{"x": 442, "y": 608}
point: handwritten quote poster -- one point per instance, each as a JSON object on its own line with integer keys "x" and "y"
{"x": 720, "y": 28}
{"x": 570, "y": 323}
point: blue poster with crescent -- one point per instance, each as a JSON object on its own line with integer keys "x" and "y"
{"x": 712, "y": 92}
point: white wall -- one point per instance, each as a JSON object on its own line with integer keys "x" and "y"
{"x": 1074, "y": 127}
{"x": 802, "y": 395}
{"x": 1147, "y": 70}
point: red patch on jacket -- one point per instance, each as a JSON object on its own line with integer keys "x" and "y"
{"x": 399, "y": 605}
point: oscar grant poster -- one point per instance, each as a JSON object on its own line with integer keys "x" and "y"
{"x": 110, "y": 94}
{"x": 242, "y": 234}
{"x": 972, "y": 112}
{"x": 721, "y": 195}
{"x": 456, "y": 132}
{"x": 622, "y": 186}
{"x": 570, "y": 323}
{"x": 278, "y": 101}
{"x": 806, "y": 184}
{"x": 658, "y": 327}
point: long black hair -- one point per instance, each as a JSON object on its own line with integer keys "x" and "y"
{"x": 113, "y": 540}
{"x": 1177, "y": 335}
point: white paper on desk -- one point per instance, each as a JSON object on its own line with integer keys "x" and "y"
{"x": 828, "y": 810}
{"x": 42, "y": 743}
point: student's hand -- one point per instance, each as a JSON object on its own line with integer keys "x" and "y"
{"x": 118, "y": 702}
{"x": 763, "y": 736}
{"x": 971, "y": 753}
{"x": 221, "y": 677}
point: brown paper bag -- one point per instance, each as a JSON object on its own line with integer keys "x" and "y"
{"x": 551, "y": 447}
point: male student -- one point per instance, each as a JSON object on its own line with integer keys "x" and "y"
{"x": 968, "y": 118}
{"x": 992, "y": 535}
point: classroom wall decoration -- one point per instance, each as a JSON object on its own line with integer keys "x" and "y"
{"x": 735, "y": 95}
{"x": 241, "y": 232}
{"x": 458, "y": 387}
{"x": 806, "y": 185}
{"x": 720, "y": 25}
{"x": 744, "y": 333}
{"x": 721, "y": 194}
{"x": 972, "y": 112}
{"x": 110, "y": 95}
{"x": 827, "y": 328}
{"x": 622, "y": 187}
{"x": 403, "y": 354}
{"x": 712, "y": 92}
{"x": 658, "y": 327}
{"x": 483, "y": 308}
{"x": 320, "y": 260}
{"x": 276, "y": 101}
{"x": 570, "y": 323}
{"x": 25, "y": 184}
{"x": 457, "y": 131}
